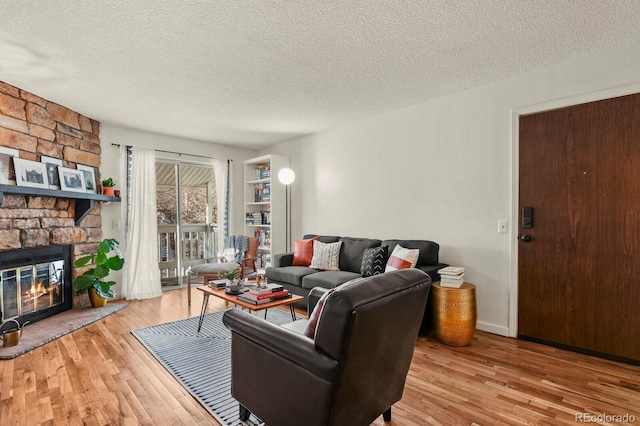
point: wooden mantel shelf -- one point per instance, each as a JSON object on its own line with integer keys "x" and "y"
{"x": 84, "y": 201}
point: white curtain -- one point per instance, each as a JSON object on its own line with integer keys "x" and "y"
{"x": 221, "y": 168}
{"x": 141, "y": 273}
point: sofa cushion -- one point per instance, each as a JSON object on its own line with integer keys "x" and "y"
{"x": 402, "y": 258}
{"x": 352, "y": 250}
{"x": 327, "y": 279}
{"x": 428, "y": 249}
{"x": 303, "y": 252}
{"x": 323, "y": 238}
{"x": 326, "y": 256}
{"x": 374, "y": 260}
{"x": 214, "y": 268}
{"x": 289, "y": 274}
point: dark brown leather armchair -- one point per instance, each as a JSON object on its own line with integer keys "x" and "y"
{"x": 353, "y": 371}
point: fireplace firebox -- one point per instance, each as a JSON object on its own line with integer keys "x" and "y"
{"x": 35, "y": 283}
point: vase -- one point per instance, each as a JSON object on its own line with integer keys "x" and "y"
{"x": 108, "y": 190}
{"x": 96, "y": 301}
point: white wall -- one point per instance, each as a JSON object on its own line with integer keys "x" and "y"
{"x": 444, "y": 170}
{"x": 113, "y": 164}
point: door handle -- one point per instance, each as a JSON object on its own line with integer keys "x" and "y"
{"x": 524, "y": 238}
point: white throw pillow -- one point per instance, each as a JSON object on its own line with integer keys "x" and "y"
{"x": 326, "y": 256}
{"x": 402, "y": 258}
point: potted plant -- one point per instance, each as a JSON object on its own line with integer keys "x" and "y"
{"x": 107, "y": 187}
{"x": 93, "y": 279}
{"x": 234, "y": 284}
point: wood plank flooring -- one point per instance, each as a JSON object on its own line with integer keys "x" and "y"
{"x": 101, "y": 375}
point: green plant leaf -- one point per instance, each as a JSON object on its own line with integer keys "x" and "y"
{"x": 115, "y": 263}
{"x": 101, "y": 271}
{"x": 101, "y": 258}
{"x": 83, "y": 260}
{"x": 103, "y": 288}
{"x": 83, "y": 282}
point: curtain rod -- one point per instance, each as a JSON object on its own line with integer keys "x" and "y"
{"x": 172, "y": 152}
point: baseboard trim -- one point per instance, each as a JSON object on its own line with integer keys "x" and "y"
{"x": 493, "y": 328}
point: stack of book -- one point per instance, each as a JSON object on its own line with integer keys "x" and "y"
{"x": 260, "y": 295}
{"x": 451, "y": 276}
{"x": 218, "y": 283}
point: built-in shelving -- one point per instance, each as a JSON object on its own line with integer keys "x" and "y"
{"x": 265, "y": 195}
{"x": 84, "y": 201}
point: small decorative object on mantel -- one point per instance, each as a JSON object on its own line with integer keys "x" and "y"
{"x": 107, "y": 187}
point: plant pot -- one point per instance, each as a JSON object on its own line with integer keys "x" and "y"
{"x": 96, "y": 301}
{"x": 108, "y": 190}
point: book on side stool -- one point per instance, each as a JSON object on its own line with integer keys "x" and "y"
{"x": 451, "y": 276}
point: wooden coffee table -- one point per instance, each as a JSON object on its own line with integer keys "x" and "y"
{"x": 221, "y": 294}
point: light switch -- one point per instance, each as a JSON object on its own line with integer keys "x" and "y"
{"x": 503, "y": 226}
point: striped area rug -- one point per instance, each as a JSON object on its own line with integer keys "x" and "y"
{"x": 180, "y": 349}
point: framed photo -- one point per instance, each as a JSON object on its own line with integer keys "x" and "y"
{"x": 7, "y": 171}
{"x": 52, "y": 171}
{"x": 71, "y": 179}
{"x": 89, "y": 177}
{"x": 30, "y": 173}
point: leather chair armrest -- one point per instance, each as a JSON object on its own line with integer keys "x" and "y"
{"x": 282, "y": 259}
{"x": 288, "y": 344}
{"x": 314, "y": 295}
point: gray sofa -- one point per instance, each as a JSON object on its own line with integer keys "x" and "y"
{"x": 301, "y": 279}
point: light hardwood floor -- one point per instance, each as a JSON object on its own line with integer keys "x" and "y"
{"x": 101, "y": 375}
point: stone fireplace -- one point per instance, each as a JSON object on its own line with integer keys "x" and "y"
{"x": 31, "y": 224}
{"x": 36, "y": 283}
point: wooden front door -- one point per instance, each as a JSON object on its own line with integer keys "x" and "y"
{"x": 579, "y": 262}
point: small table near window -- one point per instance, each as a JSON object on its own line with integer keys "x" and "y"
{"x": 454, "y": 313}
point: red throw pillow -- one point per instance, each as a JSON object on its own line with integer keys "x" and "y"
{"x": 312, "y": 322}
{"x": 303, "y": 252}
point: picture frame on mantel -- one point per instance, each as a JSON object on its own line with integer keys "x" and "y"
{"x": 7, "y": 170}
{"x": 72, "y": 180}
{"x": 89, "y": 177}
{"x": 30, "y": 173}
{"x": 52, "y": 171}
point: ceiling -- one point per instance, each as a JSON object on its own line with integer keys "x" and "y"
{"x": 257, "y": 72}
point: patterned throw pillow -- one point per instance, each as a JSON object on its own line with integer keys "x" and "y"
{"x": 303, "y": 252}
{"x": 326, "y": 256}
{"x": 374, "y": 260}
{"x": 402, "y": 258}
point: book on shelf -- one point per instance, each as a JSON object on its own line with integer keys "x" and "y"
{"x": 263, "y": 171}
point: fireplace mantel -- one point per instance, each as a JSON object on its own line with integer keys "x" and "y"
{"x": 84, "y": 201}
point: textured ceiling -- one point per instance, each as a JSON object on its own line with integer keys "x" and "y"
{"x": 256, "y": 72}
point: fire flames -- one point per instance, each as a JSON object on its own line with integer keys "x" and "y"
{"x": 37, "y": 290}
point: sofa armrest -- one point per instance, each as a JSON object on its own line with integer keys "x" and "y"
{"x": 282, "y": 259}
{"x": 314, "y": 295}
{"x": 285, "y": 343}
